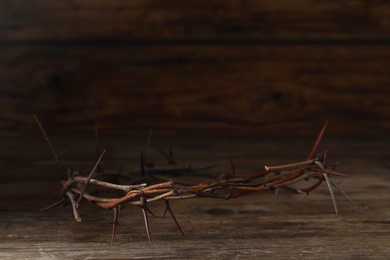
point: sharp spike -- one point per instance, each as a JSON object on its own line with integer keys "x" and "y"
{"x": 149, "y": 210}
{"x": 89, "y": 177}
{"x": 329, "y": 183}
{"x": 145, "y": 214}
{"x": 345, "y": 194}
{"x": 168, "y": 156}
{"x": 319, "y": 164}
{"x": 74, "y": 206}
{"x": 114, "y": 223}
{"x": 314, "y": 149}
{"x": 168, "y": 208}
{"x": 232, "y": 166}
{"x": 276, "y": 194}
{"x": 329, "y": 172}
{"x": 61, "y": 201}
{"x": 56, "y": 158}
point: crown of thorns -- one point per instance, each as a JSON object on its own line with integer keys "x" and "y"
{"x": 149, "y": 183}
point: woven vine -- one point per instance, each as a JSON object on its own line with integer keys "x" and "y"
{"x": 149, "y": 183}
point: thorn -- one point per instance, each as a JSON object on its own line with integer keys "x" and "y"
{"x": 330, "y": 172}
{"x": 168, "y": 208}
{"x": 329, "y": 183}
{"x": 345, "y": 194}
{"x": 232, "y": 166}
{"x": 319, "y": 164}
{"x": 333, "y": 165}
{"x": 296, "y": 190}
{"x": 313, "y": 150}
{"x": 145, "y": 214}
{"x": 53, "y": 205}
{"x": 276, "y": 194}
{"x": 149, "y": 210}
{"x": 168, "y": 156}
{"x": 48, "y": 142}
{"x": 89, "y": 177}
{"x": 74, "y": 206}
{"x": 114, "y": 223}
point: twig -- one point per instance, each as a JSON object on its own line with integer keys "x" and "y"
{"x": 74, "y": 206}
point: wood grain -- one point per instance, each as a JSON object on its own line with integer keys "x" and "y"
{"x": 269, "y": 69}
{"x": 235, "y": 90}
{"x": 296, "y": 226}
{"x": 211, "y": 67}
{"x": 205, "y": 20}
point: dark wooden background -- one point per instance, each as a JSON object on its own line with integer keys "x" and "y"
{"x": 259, "y": 77}
{"x": 208, "y": 67}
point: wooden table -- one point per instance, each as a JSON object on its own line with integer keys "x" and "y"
{"x": 253, "y": 226}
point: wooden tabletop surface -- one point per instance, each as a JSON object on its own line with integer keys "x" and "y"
{"x": 253, "y": 226}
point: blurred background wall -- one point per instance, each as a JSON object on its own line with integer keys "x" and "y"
{"x": 195, "y": 67}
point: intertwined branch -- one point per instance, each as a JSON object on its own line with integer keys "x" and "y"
{"x": 150, "y": 185}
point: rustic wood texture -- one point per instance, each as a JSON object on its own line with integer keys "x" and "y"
{"x": 210, "y": 67}
{"x": 296, "y": 226}
{"x": 216, "y": 20}
{"x": 211, "y": 89}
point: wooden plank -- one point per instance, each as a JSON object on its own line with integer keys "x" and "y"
{"x": 296, "y": 226}
{"x": 235, "y": 90}
{"x": 205, "y": 20}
